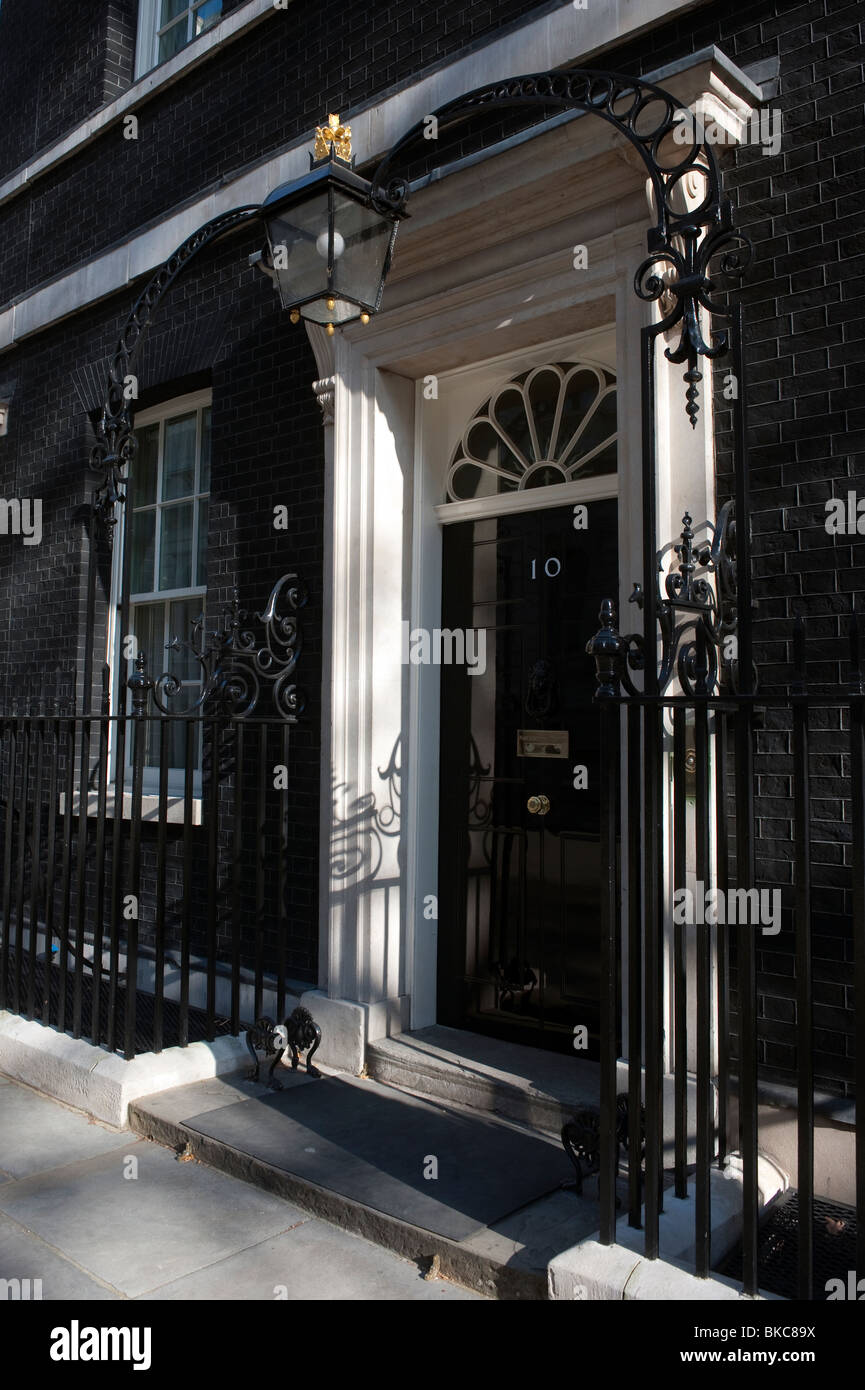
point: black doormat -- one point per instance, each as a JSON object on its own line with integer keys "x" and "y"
{"x": 778, "y": 1251}
{"x": 412, "y": 1159}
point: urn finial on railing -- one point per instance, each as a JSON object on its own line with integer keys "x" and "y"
{"x": 608, "y": 648}
{"x": 140, "y": 685}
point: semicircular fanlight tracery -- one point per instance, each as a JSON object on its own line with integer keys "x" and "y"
{"x": 553, "y": 424}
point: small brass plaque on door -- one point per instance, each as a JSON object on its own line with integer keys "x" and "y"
{"x": 542, "y": 743}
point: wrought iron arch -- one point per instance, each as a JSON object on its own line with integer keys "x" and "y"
{"x": 681, "y": 244}
{"x": 114, "y": 449}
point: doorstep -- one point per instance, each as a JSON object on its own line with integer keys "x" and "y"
{"x": 508, "y": 1259}
{"x": 536, "y": 1088}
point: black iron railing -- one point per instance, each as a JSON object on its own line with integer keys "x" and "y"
{"x": 690, "y": 986}
{"x": 141, "y": 874}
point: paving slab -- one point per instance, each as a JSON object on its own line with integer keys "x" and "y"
{"x": 23, "y": 1256}
{"x": 136, "y": 1234}
{"x": 180, "y": 1231}
{"x": 37, "y": 1133}
{"x": 314, "y": 1261}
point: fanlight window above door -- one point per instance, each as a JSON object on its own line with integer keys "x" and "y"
{"x": 553, "y": 424}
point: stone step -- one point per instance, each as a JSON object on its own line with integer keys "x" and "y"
{"x": 538, "y": 1089}
{"x": 508, "y": 1260}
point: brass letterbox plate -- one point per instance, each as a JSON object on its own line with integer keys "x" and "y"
{"x": 542, "y": 743}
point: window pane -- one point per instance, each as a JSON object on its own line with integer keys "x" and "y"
{"x": 178, "y": 459}
{"x": 177, "y": 745}
{"x": 145, "y": 466}
{"x": 207, "y": 14}
{"x": 175, "y": 547}
{"x": 183, "y": 664}
{"x": 171, "y": 9}
{"x": 147, "y": 621}
{"x": 204, "y": 481}
{"x": 172, "y": 41}
{"x": 182, "y": 613}
{"x": 143, "y": 541}
{"x": 148, "y": 625}
{"x": 201, "y": 561}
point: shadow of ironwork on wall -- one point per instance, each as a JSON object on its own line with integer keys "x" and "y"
{"x": 358, "y": 837}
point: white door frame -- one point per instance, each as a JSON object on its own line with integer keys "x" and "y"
{"x": 383, "y": 566}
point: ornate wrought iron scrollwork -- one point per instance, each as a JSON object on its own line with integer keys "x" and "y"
{"x": 681, "y": 167}
{"x": 687, "y": 256}
{"x": 480, "y": 808}
{"x": 513, "y": 981}
{"x": 581, "y": 1139}
{"x": 115, "y": 445}
{"x": 235, "y": 662}
{"x": 299, "y": 1033}
{"x": 697, "y": 617}
{"x": 542, "y": 693}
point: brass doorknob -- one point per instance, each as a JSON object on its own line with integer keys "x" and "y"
{"x": 538, "y": 805}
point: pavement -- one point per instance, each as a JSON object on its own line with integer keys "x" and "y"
{"x": 102, "y": 1214}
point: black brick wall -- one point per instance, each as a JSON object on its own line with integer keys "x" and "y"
{"x": 260, "y": 93}
{"x": 58, "y": 64}
{"x": 267, "y": 448}
{"x": 804, "y": 307}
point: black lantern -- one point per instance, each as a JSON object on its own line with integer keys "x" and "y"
{"x": 329, "y": 247}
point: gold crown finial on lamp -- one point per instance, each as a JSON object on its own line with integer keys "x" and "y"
{"x": 334, "y": 135}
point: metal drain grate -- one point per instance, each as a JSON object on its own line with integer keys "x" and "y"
{"x": 778, "y": 1250}
{"x": 144, "y": 1009}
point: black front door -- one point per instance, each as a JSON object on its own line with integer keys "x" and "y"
{"x": 519, "y": 827}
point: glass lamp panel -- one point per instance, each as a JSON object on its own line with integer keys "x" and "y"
{"x": 204, "y": 478}
{"x": 342, "y": 312}
{"x": 361, "y": 239}
{"x": 299, "y": 243}
{"x": 143, "y": 551}
{"x": 178, "y": 457}
{"x": 145, "y": 468}
{"x": 175, "y": 547}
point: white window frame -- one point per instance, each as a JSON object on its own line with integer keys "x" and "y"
{"x": 165, "y": 411}
{"x": 147, "y": 41}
